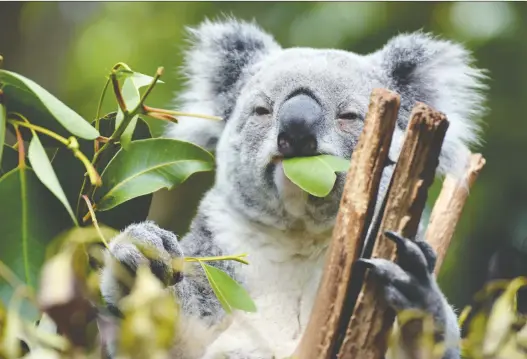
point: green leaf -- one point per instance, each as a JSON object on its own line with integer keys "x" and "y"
{"x": 30, "y": 218}
{"x": 3, "y": 124}
{"x": 9, "y": 160}
{"x": 315, "y": 174}
{"x": 230, "y": 294}
{"x": 147, "y": 166}
{"x": 42, "y": 108}
{"x": 44, "y": 170}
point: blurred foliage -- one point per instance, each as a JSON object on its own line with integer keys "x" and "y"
{"x": 69, "y": 47}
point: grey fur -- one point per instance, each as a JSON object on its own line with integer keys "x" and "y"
{"x": 233, "y": 68}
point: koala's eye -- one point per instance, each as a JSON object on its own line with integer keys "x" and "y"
{"x": 261, "y": 111}
{"x": 349, "y": 116}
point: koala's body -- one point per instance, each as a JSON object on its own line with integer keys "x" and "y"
{"x": 280, "y": 103}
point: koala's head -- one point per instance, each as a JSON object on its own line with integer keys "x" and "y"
{"x": 279, "y": 103}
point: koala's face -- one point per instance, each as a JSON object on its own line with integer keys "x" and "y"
{"x": 299, "y": 102}
{"x": 280, "y": 103}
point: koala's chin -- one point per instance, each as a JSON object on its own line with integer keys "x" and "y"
{"x": 294, "y": 199}
{"x": 313, "y": 214}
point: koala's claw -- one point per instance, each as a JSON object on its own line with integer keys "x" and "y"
{"x": 408, "y": 283}
{"x": 410, "y": 255}
{"x": 407, "y": 249}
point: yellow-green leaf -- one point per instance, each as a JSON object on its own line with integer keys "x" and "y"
{"x": 230, "y": 294}
{"x": 315, "y": 174}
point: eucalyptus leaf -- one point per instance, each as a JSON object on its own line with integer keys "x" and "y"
{"x": 315, "y": 174}
{"x": 42, "y": 108}
{"x": 3, "y": 124}
{"x": 31, "y": 217}
{"x": 147, "y": 166}
{"x": 44, "y": 170}
{"x": 230, "y": 294}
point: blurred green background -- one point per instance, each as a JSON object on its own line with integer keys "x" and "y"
{"x": 69, "y": 47}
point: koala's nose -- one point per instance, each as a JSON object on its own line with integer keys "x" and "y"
{"x": 297, "y": 120}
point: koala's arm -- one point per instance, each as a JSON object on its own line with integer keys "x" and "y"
{"x": 410, "y": 284}
{"x": 202, "y": 316}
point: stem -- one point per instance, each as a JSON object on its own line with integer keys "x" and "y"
{"x": 70, "y": 143}
{"x": 102, "y": 139}
{"x": 98, "y": 114}
{"x": 128, "y": 116}
{"x": 237, "y": 258}
{"x": 159, "y": 73}
{"x": 43, "y": 130}
{"x": 94, "y": 220}
{"x": 148, "y": 109}
{"x": 118, "y": 94}
{"x": 118, "y": 65}
{"x": 23, "y": 204}
{"x": 21, "y": 149}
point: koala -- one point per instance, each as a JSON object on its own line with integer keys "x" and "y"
{"x": 280, "y": 103}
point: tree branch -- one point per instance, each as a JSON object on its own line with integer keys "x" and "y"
{"x": 354, "y": 217}
{"x": 448, "y": 207}
{"x": 368, "y": 330}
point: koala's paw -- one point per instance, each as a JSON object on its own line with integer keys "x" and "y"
{"x": 143, "y": 243}
{"x": 410, "y": 283}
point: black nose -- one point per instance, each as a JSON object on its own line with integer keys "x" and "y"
{"x": 297, "y": 120}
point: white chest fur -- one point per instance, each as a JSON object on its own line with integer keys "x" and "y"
{"x": 282, "y": 279}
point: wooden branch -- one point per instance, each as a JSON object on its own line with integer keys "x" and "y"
{"x": 448, "y": 207}
{"x": 367, "y": 333}
{"x": 356, "y": 211}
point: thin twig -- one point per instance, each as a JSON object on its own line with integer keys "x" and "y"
{"x": 98, "y": 114}
{"x": 94, "y": 220}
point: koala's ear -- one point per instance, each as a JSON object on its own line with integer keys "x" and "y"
{"x": 217, "y": 64}
{"x": 440, "y": 74}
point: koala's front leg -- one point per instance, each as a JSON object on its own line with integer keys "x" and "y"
{"x": 411, "y": 284}
{"x": 125, "y": 255}
{"x": 201, "y": 316}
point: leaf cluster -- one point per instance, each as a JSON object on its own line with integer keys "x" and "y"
{"x": 58, "y": 173}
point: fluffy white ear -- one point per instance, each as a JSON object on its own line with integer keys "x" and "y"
{"x": 439, "y": 73}
{"x": 217, "y": 64}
